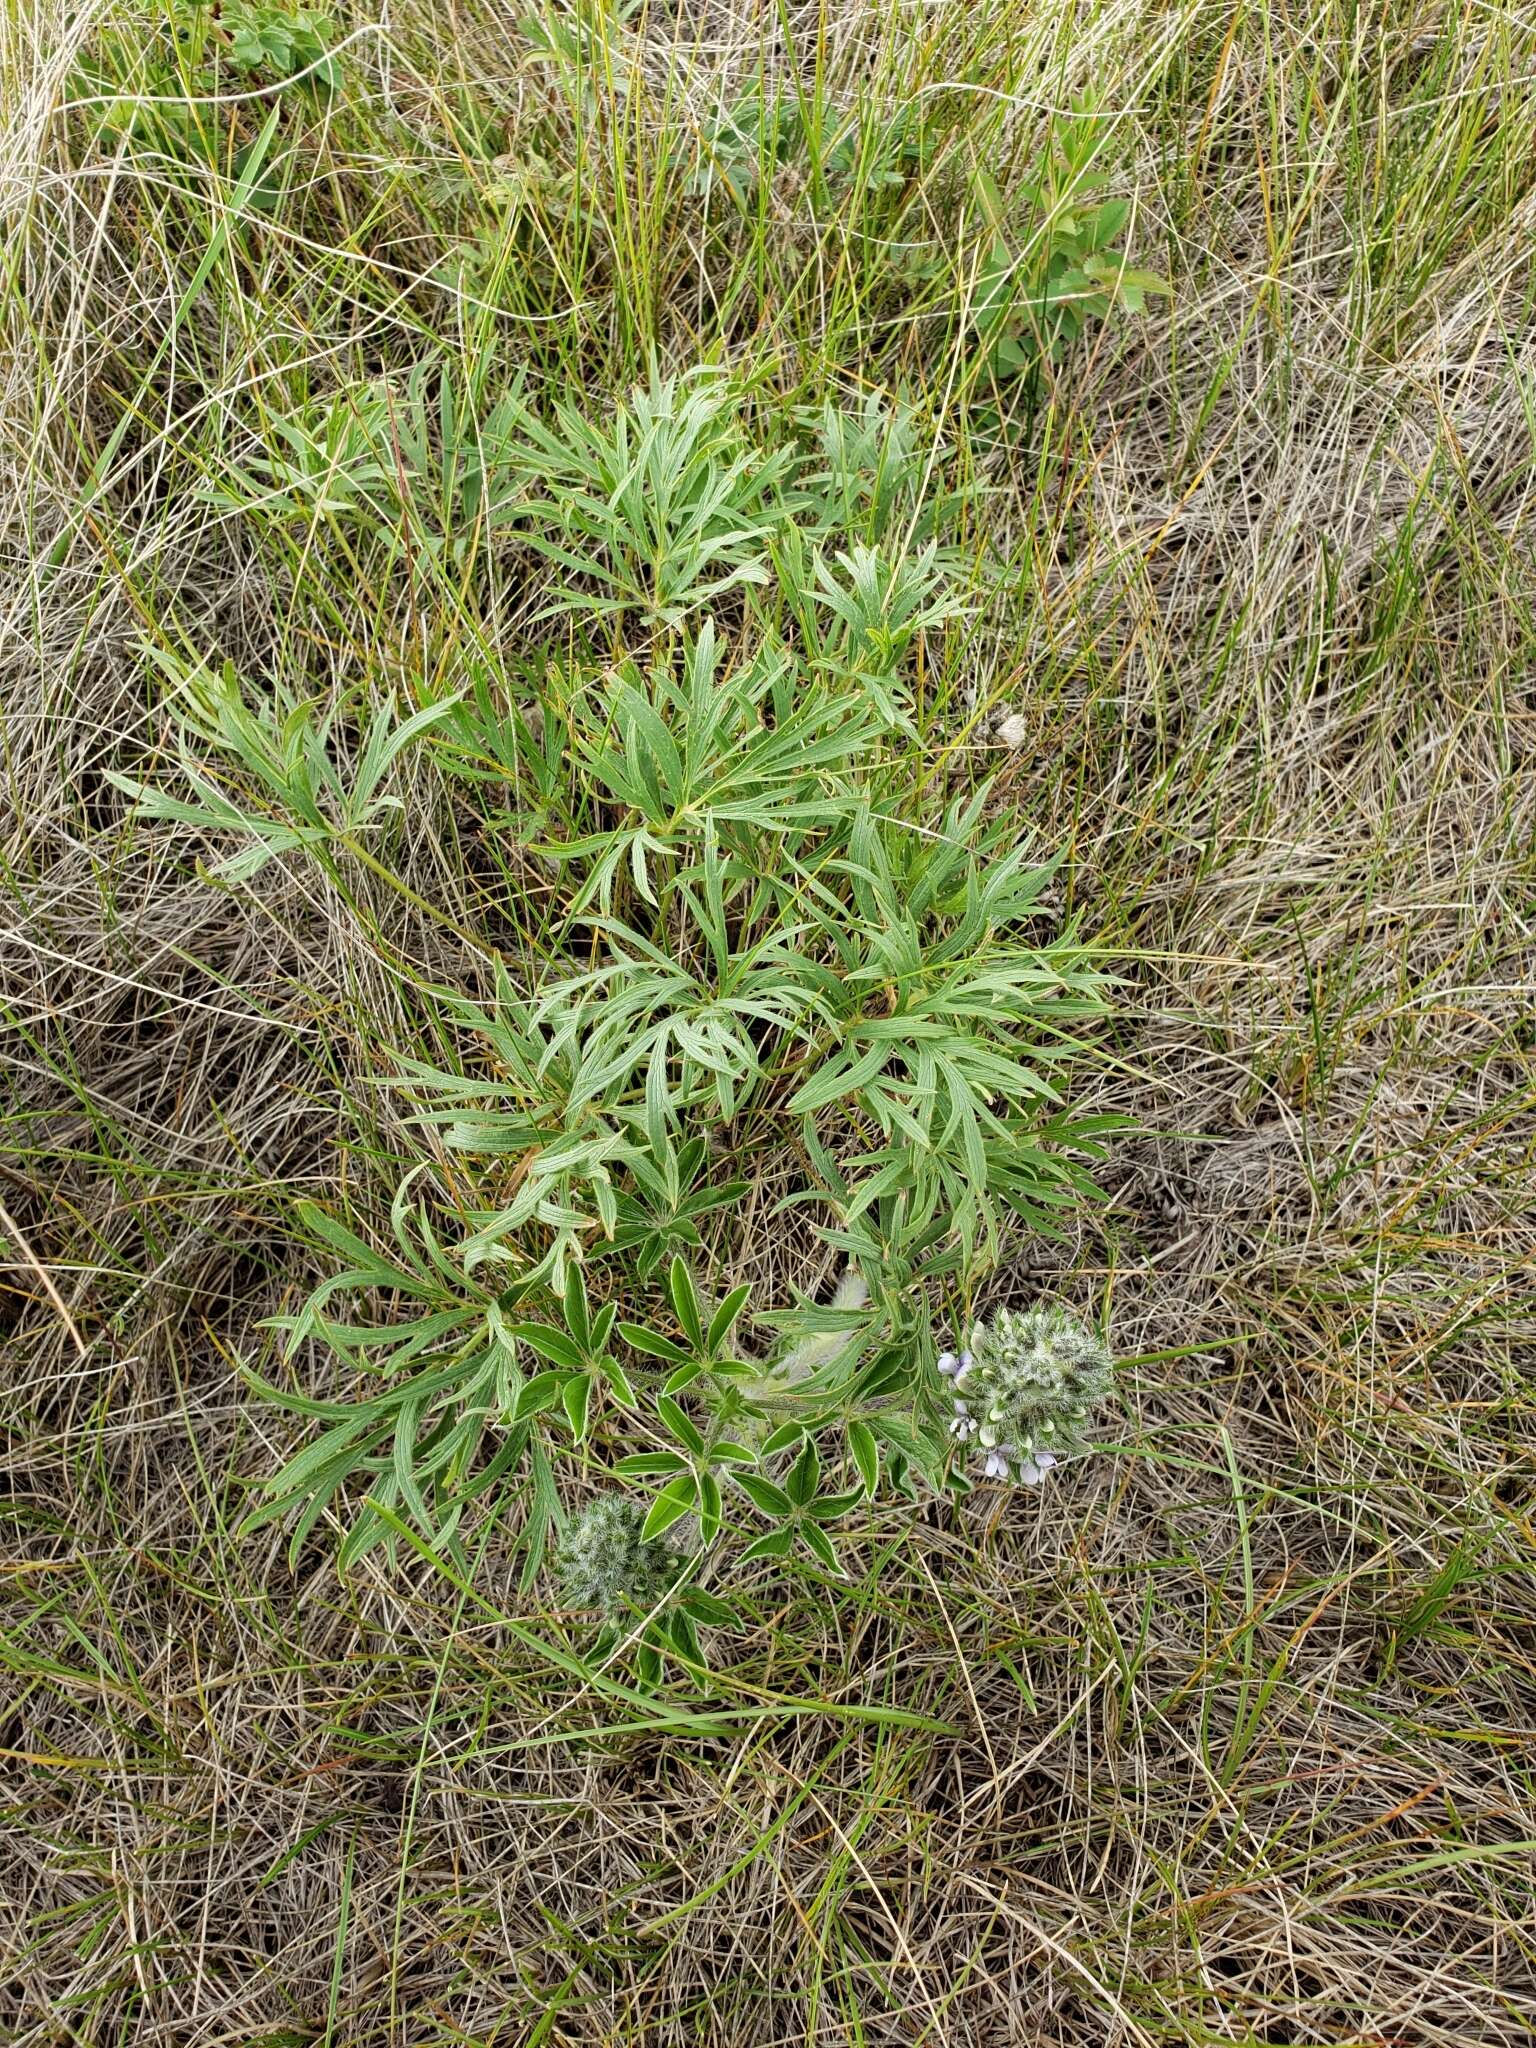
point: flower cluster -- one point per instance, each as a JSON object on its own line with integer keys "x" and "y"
{"x": 1024, "y": 1388}
{"x": 607, "y": 1562}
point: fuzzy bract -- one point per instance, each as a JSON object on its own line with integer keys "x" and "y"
{"x": 1024, "y": 1389}
{"x": 607, "y": 1562}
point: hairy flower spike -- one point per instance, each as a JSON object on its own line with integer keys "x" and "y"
{"x": 606, "y": 1562}
{"x": 1025, "y": 1388}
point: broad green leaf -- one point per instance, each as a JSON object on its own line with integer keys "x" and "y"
{"x": 773, "y": 1500}
{"x": 541, "y": 1392}
{"x": 573, "y": 1305}
{"x": 820, "y": 1544}
{"x": 549, "y": 1343}
{"x": 709, "y": 1506}
{"x": 831, "y": 1505}
{"x": 653, "y": 1344}
{"x": 675, "y": 1500}
{"x": 577, "y": 1397}
{"x": 618, "y": 1379}
{"x": 723, "y": 1321}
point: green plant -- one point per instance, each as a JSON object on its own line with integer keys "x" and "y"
{"x": 269, "y": 40}
{"x": 608, "y": 1562}
{"x": 663, "y": 509}
{"x": 156, "y": 83}
{"x": 744, "y": 145}
{"x": 418, "y": 466}
{"x": 764, "y": 953}
{"x": 1042, "y": 281}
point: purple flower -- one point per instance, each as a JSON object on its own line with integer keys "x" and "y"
{"x": 1029, "y": 1471}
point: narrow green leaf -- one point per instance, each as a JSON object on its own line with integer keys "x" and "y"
{"x": 865, "y": 1452}
{"x": 680, "y": 1425}
{"x": 723, "y": 1321}
{"x": 685, "y": 1302}
{"x": 803, "y": 1480}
